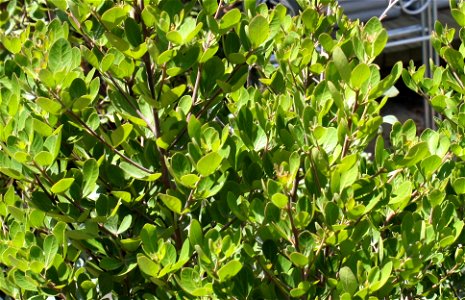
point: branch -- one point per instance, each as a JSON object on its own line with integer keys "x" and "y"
{"x": 390, "y": 6}
{"x": 293, "y": 198}
{"x": 151, "y": 83}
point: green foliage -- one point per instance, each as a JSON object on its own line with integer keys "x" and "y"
{"x": 186, "y": 149}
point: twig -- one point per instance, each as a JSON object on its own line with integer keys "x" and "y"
{"x": 390, "y": 6}
{"x": 292, "y": 198}
{"x": 151, "y": 83}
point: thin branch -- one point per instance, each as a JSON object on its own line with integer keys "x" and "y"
{"x": 281, "y": 285}
{"x": 293, "y": 198}
{"x": 208, "y": 102}
{"x": 390, "y": 6}
{"x": 98, "y": 137}
{"x": 196, "y": 85}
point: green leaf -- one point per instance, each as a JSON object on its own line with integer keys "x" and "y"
{"x": 402, "y": 192}
{"x": 439, "y": 103}
{"x": 301, "y": 289}
{"x": 175, "y": 37}
{"x": 23, "y": 281}
{"x": 298, "y": 259}
{"x": 113, "y": 17}
{"x": 62, "y": 185}
{"x": 60, "y": 4}
{"x": 454, "y": 58}
{"x": 360, "y": 74}
{"x": 50, "y": 250}
{"x": 110, "y": 264}
{"x": 310, "y": 18}
{"x": 327, "y": 42}
{"x": 90, "y": 172}
{"x": 44, "y": 159}
{"x": 189, "y": 30}
{"x": 189, "y": 180}
{"x": 60, "y": 55}
{"x": 415, "y": 154}
{"x": 294, "y": 164}
{"x": 229, "y": 270}
{"x": 331, "y": 213}
{"x": 147, "y": 266}
{"x": 149, "y": 239}
{"x": 258, "y": 32}
{"x": 208, "y": 164}
{"x": 195, "y": 233}
{"x": 12, "y": 44}
{"x": 173, "y": 203}
{"x": 135, "y": 172}
{"x": 49, "y": 106}
{"x": 342, "y": 64}
{"x": 348, "y": 280}
{"x": 280, "y": 200}
{"x": 120, "y": 134}
{"x": 180, "y": 165}
{"x": 107, "y": 62}
{"x": 125, "y": 224}
{"x": 53, "y": 142}
{"x": 123, "y": 195}
{"x": 385, "y": 274}
{"x": 459, "y": 185}
{"x": 117, "y": 42}
{"x": 15, "y": 174}
{"x": 326, "y": 137}
{"x": 230, "y": 19}
{"x": 210, "y": 6}
{"x": 77, "y": 88}
{"x": 41, "y": 201}
{"x": 42, "y": 128}
{"x": 459, "y": 16}
{"x": 133, "y": 32}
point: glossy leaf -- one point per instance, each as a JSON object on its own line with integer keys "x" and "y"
{"x": 360, "y": 74}
{"x": 62, "y": 185}
{"x": 120, "y": 134}
{"x": 60, "y": 55}
{"x": 133, "y": 32}
{"x": 230, "y": 19}
{"x": 173, "y": 203}
{"x": 113, "y": 17}
{"x": 229, "y": 270}
{"x": 348, "y": 280}
{"x": 90, "y": 171}
{"x": 259, "y": 30}
{"x": 280, "y": 200}
{"x": 147, "y": 266}
{"x": 208, "y": 164}
{"x": 50, "y": 250}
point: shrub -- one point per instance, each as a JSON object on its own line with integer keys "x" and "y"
{"x": 168, "y": 149}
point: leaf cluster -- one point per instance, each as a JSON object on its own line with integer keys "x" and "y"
{"x": 162, "y": 149}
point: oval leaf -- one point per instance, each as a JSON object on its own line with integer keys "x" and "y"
{"x": 50, "y": 250}
{"x": 259, "y": 29}
{"x": 62, "y": 185}
{"x": 208, "y": 164}
{"x": 229, "y": 270}
{"x": 173, "y": 203}
{"x": 60, "y": 55}
{"x": 360, "y": 74}
{"x": 147, "y": 266}
{"x": 113, "y": 17}
{"x": 348, "y": 280}
{"x": 279, "y": 199}
{"x": 121, "y": 134}
{"x": 90, "y": 171}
